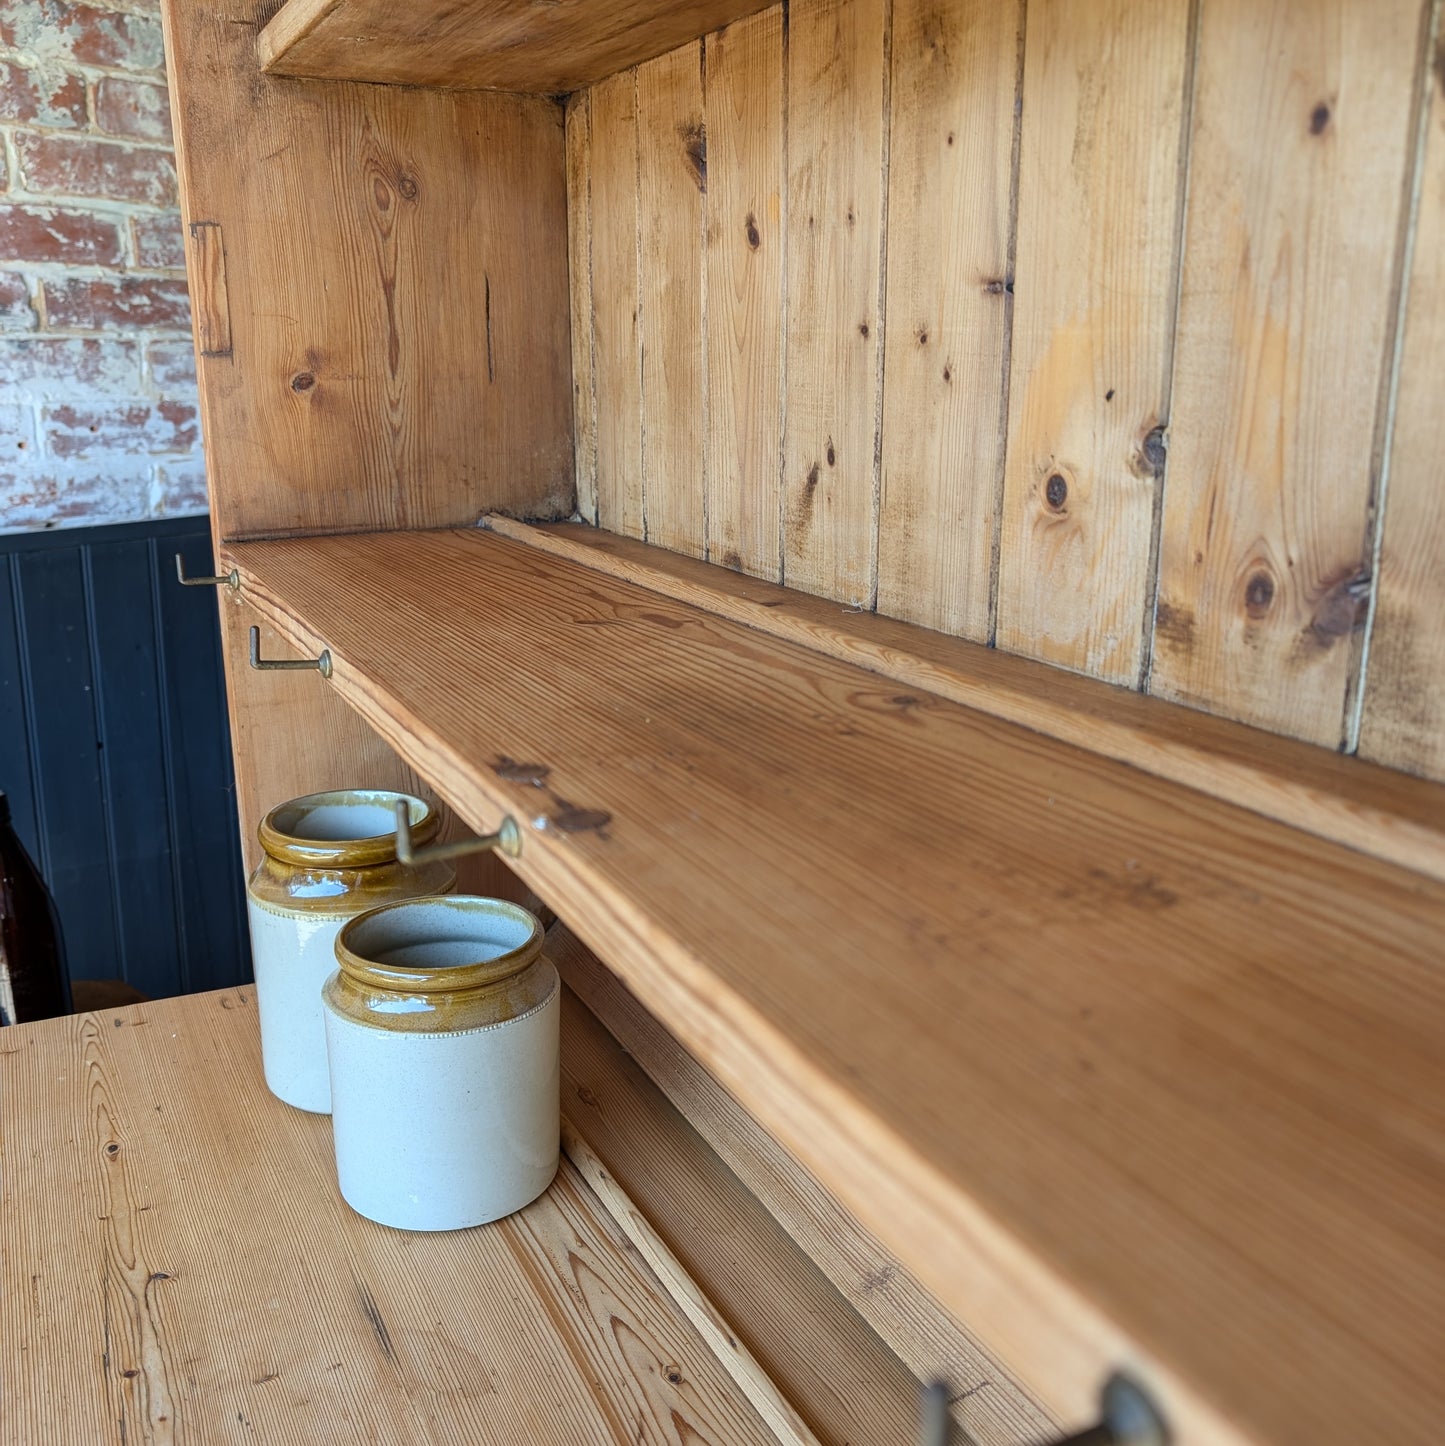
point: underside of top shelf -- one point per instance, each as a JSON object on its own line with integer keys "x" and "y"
{"x": 1121, "y": 1071}
{"x": 543, "y": 46}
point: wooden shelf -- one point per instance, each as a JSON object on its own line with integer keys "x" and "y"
{"x": 546, "y": 46}
{"x": 1123, "y": 1073}
{"x": 178, "y": 1265}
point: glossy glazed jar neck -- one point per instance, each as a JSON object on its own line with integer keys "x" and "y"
{"x": 442, "y": 964}
{"x": 336, "y": 852}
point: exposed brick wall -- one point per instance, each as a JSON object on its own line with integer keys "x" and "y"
{"x": 97, "y": 376}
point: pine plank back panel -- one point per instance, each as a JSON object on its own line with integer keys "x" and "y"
{"x": 1169, "y": 244}
{"x": 380, "y": 345}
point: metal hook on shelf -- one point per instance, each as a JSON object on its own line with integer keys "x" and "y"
{"x": 322, "y": 664}
{"x": 1127, "y": 1417}
{"x": 231, "y": 579}
{"x": 508, "y": 838}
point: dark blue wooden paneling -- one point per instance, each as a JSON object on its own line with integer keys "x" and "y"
{"x": 115, "y": 751}
{"x": 126, "y": 669}
{"x": 65, "y": 747}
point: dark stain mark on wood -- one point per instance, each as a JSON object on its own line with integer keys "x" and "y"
{"x": 491, "y": 359}
{"x": 812, "y": 484}
{"x": 950, "y": 138}
{"x": 130, "y": 1373}
{"x": 1319, "y": 119}
{"x": 510, "y": 771}
{"x": 370, "y": 1311}
{"x": 1109, "y": 395}
{"x": 852, "y": 217}
{"x": 922, "y": 335}
{"x": 571, "y": 818}
{"x": 862, "y": 328}
{"x": 694, "y": 146}
{"x": 876, "y": 1280}
{"x": 1140, "y": 891}
{"x": 1174, "y": 626}
{"x": 905, "y": 701}
{"x": 750, "y": 227}
{"x": 303, "y": 381}
{"x": 999, "y": 286}
{"x": 732, "y": 560}
{"x": 831, "y": 454}
{"x": 1258, "y": 595}
{"x": 948, "y": 374}
{"x": 1341, "y": 609}
{"x": 1056, "y": 491}
{"x": 1153, "y": 454}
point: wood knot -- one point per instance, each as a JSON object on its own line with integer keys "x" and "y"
{"x": 694, "y": 147}
{"x": 1153, "y": 453}
{"x": 750, "y": 228}
{"x": 674, "y": 1375}
{"x": 303, "y": 381}
{"x": 1319, "y": 119}
{"x": 948, "y": 374}
{"x": 1056, "y": 491}
{"x": 832, "y": 455}
{"x": 112, "y": 1149}
{"x": 406, "y": 186}
{"x": 1341, "y": 608}
{"x": 1258, "y": 595}
{"x": 862, "y": 328}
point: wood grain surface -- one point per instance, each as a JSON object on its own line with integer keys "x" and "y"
{"x": 1403, "y": 716}
{"x": 1120, "y": 1072}
{"x": 1100, "y": 195}
{"x": 950, "y": 309}
{"x": 841, "y": 1378}
{"x": 397, "y": 346}
{"x": 1232, "y": 437}
{"x": 834, "y": 325}
{"x": 763, "y": 1238}
{"x": 744, "y": 254}
{"x": 579, "y": 266}
{"x": 178, "y": 1266}
{"x": 1376, "y": 810}
{"x": 546, "y": 46}
{"x": 1297, "y": 183}
{"x": 671, "y": 181}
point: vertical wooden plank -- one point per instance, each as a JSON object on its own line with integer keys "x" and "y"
{"x": 1403, "y": 722}
{"x": 55, "y": 637}
{"x": 579, "y": 266}
{"x": 1297, "y": 177}
{"x": 618, "y": 331}
{"x": 1099, "y": 194}
{"x": 744, "y": 253}
{"x": 15, "y": 744}
{"x": 950, "y": 175}
{"x": 134, "y": 760}
{"x": 672, "y": 177}
{"x": 835, "y": 215}
{"x": 208, "y": 877}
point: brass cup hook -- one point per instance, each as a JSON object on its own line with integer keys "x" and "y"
{"x": 231, "y": 580}
{"x": 321, "y": 665}
{"x": 508, "y": 839}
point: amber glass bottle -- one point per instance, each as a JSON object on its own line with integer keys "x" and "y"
{"x": 33, "y": 981}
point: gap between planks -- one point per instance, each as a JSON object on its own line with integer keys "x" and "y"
{"x": 1377, "y": 811}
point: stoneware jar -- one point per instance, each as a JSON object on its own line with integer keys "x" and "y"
{"x": 328, "y": 857}
{"x": 442, "y": 1031}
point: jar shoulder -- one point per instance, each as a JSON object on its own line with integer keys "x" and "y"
{"x": 455, "y": 1012}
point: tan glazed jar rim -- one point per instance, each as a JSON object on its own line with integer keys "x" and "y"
{"x": 368, "y": 930}
{"x": 283, "y": 837}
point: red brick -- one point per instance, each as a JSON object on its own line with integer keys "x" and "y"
{"x": 46, "y": 233}
{"x": 128, "y": 429}
{"x": 17, "y": 311}
{"x": 57, "y": 368}
{"x": 180, "y": 487}
{"x": 171, "y": 365}
{"x": 158, "y": 241}
{"x": 108, "y": 170}
{"x": 133, "y": 108}
{"x": 43, "y": 96}
{"x": 125, "y": 302}
{"x": 73, "y": 496}
{"x": 83, "y": 33}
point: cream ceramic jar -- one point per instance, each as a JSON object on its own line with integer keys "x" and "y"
{"x": 443, "y": 1036}
{"x": 327, "y": 857}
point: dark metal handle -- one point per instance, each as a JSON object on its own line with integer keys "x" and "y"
{"x": 508, "y": 838}
{"x": 231, "y": 580}
{"x": 1127, "y": 1418}
{"x": 321, "y": 665}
